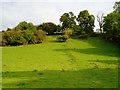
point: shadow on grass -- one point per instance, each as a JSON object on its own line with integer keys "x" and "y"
{"x": 100, "y": 48}
{"x": 92, "y": 51}
{"x": 87, "y": 78}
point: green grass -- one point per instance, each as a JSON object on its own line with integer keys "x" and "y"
{"x": 90, "y": 63}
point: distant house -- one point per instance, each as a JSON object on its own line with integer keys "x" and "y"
{"x": 58, "y": 33}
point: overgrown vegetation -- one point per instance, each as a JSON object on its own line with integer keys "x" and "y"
{"x": 24, "y": 33}
{"x": 48, "y": 27}
{"x": 80, "y": 26}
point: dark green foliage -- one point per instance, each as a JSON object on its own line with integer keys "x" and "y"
{"x": 28, "y": 35}
{"x": 68, "y": 20}
{"x": 26, "y": 26}
{"x": 83, "y": 35}
{"x": 95, "y": 34}
{"x": 59, "y": 28}
{"x": 48, "y": 27}
{"x": 77, "y": 30}
{"x": 112, "y": 27}
{"x": 117, "y": 6}
{"x": 86, "y": 21}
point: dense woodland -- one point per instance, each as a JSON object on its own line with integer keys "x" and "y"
{"x": 80, "y": 26}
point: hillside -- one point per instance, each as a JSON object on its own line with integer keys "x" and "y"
{"x": 75, "y": 63}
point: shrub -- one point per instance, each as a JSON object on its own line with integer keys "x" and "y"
{"x": 28, "y": 35}
{"x": 62, "y": 38}
{"x": 95, "y": 34}
{"x": 40, "y": 36}
{"x": 19, "y": 37}
{"x": 68, "y": 32}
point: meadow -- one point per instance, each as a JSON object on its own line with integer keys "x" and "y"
{"x": 89, "y": 63}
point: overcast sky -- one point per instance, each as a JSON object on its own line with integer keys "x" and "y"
{"x": 39, "y": 11}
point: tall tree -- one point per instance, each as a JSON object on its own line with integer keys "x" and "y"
{"x": 100, "y": 18}
{"x": 86, "y": 21}
{"x": 112, "y": 26}
{"x": 68, "y": 20}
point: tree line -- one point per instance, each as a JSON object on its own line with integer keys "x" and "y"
{"x": 111, "y": 25}
{"x": 80, "y": 26}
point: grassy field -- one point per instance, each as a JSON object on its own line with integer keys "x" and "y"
{"x": 90, "y": 63}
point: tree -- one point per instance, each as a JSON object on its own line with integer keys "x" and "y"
{"x": 117, "y": 7}
{"x": 24, "y": 26}
{"x": 59, "y": 28}
{"x": 77, "y": 30}
{"x": 48, "y": 27}
{"x": 100, "y": 18}
{"x": 68, "y": 20}
{"x": 86, "y": 21}
{"x": 112, "y": 27}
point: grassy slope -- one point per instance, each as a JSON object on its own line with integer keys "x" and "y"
{"x": 76, "y": 63}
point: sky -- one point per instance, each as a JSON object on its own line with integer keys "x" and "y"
{"x": 39, "y": 11}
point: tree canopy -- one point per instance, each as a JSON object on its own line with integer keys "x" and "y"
{"x": 48, "y": 27}
{"x": 68, "y": 20}
{"x": 112, "y": 24}
{"x": 86, "y": 21}
{"x": 117, "y": 7}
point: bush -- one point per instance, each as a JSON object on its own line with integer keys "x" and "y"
{"x": 62, "y": 38}
{"x": 19, "y": 37}
{"x": 40, "y": 36}
{"x": 68, "y": 32}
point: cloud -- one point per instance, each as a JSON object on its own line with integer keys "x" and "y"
{"x": 39, "y": 12}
